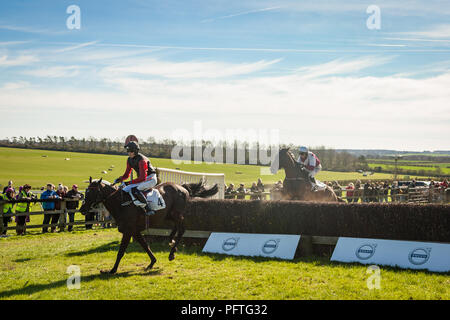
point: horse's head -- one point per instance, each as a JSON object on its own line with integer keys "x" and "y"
{"x": 95, "y": 194}
{"x": 283, "y": 159}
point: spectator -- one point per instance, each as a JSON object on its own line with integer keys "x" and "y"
{"x": 444, "y": 184}
{"x": 358, "y": 191}
{"x": 379, "y": 192}
{"x": 9, "y": 186}
{"x": 260, "y": 186}
{"x": 241, "y": 192}
{"x": 22, "y": 207}
{"x": 394, "y": 191}
{"x": 90, "y": 216}
{"x": 7, "y": 208}
{"x": 279, "y": 185}
{"x": 229, "y": 192}
{"x": 275, "y": 192}
{"x": 254, "y": 192}
{"x": 385, "y": 191}
{"x": 61, "y": 194}
{"x": 349, "y": 194}
{"x": 50, "y": 218}
{"x": 431, "y": 192}
{"x": 73, "y": 205}
{"x": 366, "y": 192}
{"x": 337, "y": 189}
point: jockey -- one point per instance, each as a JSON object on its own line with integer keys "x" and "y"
{"x": 311, "y": 163}
{"x": 146, "y": 179}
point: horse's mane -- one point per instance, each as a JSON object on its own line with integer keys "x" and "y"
{"x": 289, "y": 153}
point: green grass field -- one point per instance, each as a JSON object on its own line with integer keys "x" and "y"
{"x": 34, "y": 267}
{"x": 429, "y": 167}
{"x": 29, "y": 166}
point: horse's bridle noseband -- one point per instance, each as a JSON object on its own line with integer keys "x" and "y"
{"x": 103, "y": 197}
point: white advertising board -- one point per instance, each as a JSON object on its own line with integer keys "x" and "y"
{"x": 404, "y": 254}
{"x": 280, "y": 246}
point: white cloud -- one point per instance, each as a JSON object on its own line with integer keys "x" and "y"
{"x": 15, "y": 85}
{"x": 12, "y": 43}
{"x": 241, "y": 14}
{"x": 29, "y": 29}
{"x": 191, "y": 69}
{"x": 318, "y": 106}
{"x": 396, "y": 8}
{"x": 5, "y": 61}
{"x": 441, "y": 31}
{"x": 340, "y": 66}
{"x": 54, "y": 72}
{"x": 77, "y": 46}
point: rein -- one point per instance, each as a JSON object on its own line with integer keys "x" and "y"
{"x": 107, "y": 197}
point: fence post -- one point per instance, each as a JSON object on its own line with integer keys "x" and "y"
{"x": 1, "y": 220}
{"x": 305, "y": 246}
{"x": 62, "y": 215}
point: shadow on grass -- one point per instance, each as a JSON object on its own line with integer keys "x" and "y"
{"x": 162, "y": 247}
{"x": 114, "y": 246}
{"x": 35, "y": 288}
{"x": 22, "y": 260}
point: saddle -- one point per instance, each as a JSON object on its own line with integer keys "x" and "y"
{"x": 154, "y": 199}
{"x": 315, "y": 184}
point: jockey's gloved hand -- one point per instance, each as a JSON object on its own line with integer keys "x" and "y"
{"x": 118, "y": 180}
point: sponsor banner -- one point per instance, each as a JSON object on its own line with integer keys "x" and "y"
{"x": 281, "y": 246}
{"x": 404, "y": 254}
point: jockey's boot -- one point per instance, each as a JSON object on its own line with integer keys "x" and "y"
{"x": 148, "y": 210}
{"x": 313, "y": 183}
{"x": 140, "y": 197}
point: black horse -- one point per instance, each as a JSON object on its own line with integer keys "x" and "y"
{"x": 131, "y": 220}
{"x": 296, "y": 185}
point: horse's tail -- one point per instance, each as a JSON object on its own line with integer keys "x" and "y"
{"x": 199, "y": 190}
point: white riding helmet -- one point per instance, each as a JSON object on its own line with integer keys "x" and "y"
{"x": 303, "y": 149}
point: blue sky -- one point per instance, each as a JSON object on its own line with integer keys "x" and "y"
{"x": 310, "y": 69}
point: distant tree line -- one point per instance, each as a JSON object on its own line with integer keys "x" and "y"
{"x": 162, "y": 148}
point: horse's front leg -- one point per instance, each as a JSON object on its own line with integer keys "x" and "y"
{"x": 123, "y": 246}
{"x": 139, "y": 238}
{"x": 172, "y": 236}
{"x": 181, "y": 229}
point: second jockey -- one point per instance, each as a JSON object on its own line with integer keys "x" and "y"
{"x": 311, "y": 163}
{"x": 146, "y": 179}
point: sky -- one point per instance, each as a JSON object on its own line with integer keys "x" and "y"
{"x": 312, "y": 71}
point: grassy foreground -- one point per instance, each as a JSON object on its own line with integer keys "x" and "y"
{"x": 30, "y": 166}
{"x": 35, "y": 266}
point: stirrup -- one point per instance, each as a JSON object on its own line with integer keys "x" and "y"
{"x": 148, "y": 211}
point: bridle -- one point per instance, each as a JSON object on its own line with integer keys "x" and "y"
{"x": 103, "y": 198}
{"x": 291, "y": 156}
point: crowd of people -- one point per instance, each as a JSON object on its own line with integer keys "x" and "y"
{"x": 411, "y": 191}
{"x": 256, "y": 191}
{"x": 19, "y": 209}
{"x": 366, "y": 191}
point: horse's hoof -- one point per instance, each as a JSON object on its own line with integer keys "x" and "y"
{"x": 150, "y": 266}
{"x": 172, "y": 243}
{"x": 107, "y": 272}
{"x": 171, "y": 257}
